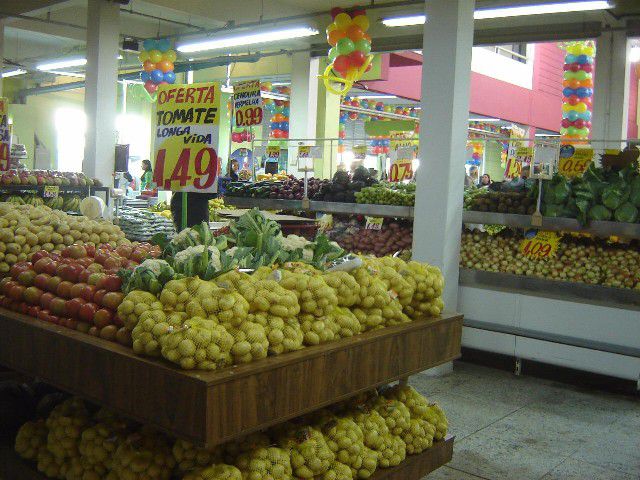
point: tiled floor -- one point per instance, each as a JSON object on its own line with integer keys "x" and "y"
{"x": 525, "y": 428}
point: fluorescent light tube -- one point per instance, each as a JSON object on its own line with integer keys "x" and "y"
{"x": 502, "y": 12}
{"x": 368, "y": 97}
{"x": 13, "y": 73}
{"x": 65, "y": 74}
{"x": 547, "y": 135}
{"x": 248, "y": 39}
{"x": 485, "y": 120}
{"x": 72, "y": 62}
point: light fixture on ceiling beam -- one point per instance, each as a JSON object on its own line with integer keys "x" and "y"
{"x": 485, "y": 120}
{"x": 62, "y": 73}
{"x": 71, "y": 62}
{"x": 13, "y": 73}
{"x": 373, "y": 96}
{"x": 248, "y": 39}
{"x": 516, "y": 11}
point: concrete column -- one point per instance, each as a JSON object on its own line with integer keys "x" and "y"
{"x": 304, "y": 90}
{"x": 100, "y": 97}
{"x": 447, "y": 42}
{"x": 611, "y": 89}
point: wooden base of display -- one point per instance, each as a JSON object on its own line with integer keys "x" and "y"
{"x": 414, "y": 467}
{"x": 210, "y": 408}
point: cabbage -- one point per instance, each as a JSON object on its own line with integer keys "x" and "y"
{"x": 613, "y": 196}
{"x": 626, "y": 212}
{"x": 599, "y": 212}
{"x": 553, "y": 210}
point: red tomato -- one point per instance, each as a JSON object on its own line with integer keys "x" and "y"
{"x": 40, "y": 265}
{"x": 88, "y": 292}
{"x": 87, "y": 312}
{"x": 102, "y": 318}
{"x": 64, "y": 289}
{"x": 45, "y": 300}
{"x": 97, "y": 298}
{"x": 73, "y": 306}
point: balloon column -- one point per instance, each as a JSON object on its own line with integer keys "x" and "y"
{"x": 279, "y": 111}
{"x": 342, "y": 131}
{"x": 241, "y": 134}
{"x": 380, "y": 144}
{"x": 157, "y": 59}
{"x": 476, "y": 155}
{"x": 578, "y": 90}
{"x": 350, "y": 52}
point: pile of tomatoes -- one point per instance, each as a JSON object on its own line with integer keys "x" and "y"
{"x": 79, "y": 289}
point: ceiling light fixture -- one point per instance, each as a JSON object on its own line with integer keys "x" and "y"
{"x": 502, "y": 12}
{"x": 65, "y": 74}
{"x": 485, "y": 120}
{"x": 248, "y": 39}
{"x": 13, "y": 73}
{"x": 373, "y": 96}
{"x": 72, "y": 62}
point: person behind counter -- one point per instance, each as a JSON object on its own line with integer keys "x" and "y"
{"x": 485, "y": 181}
{"x": 234, "y": 166}
{"x": 146, "y": 180}
{"x": 197, "y": 208}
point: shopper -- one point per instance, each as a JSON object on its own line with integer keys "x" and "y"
{"x": 485, "y": 181}
{"x": 197, "y": 208}
{"x": 233, "y": 169}
{"x": 146, "y": 180}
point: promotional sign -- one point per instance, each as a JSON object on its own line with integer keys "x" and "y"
{"x": 512, "y": 168}
{"x": 51, "y": 191}
{"x": 187, "y": 124}
{"x": 539, "y": 244}
{"x": 575, "y": 163}
{"x": 522, "y": 157}
{"x": 5, "y": 135}
{"x": 360, "y": 152}
{"x": 247, "y": 103}
{"x": 273, "y": 153}
{"x": 374, "y": 223}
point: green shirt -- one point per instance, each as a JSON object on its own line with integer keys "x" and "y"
{"x": 146, "y": 182}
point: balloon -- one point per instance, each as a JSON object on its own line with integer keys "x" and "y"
{"x": 587, "y": 124}
{"x": 278, "y": 134}
{"x": 585, "y": 116}
{"x": 335, "y": 36}
{"x": 574, "y": 49}
{"x": 155, "y": 56}
{"x": 150, "y": 87}
{"x": 581, "y": 107}
{"x": 565, "y": 122}
{"x": 587, "y": 67}
{"x": 589, "y": 51}
{"x": 353, "y": 115}
{"x": 148, "y": 66}
{"x": 363, "y": 46}
{"x": 476, "y": 156}
{"x": 565, "y": 83}
{"x": 563, "y": 131}
{"x": 170, "y": 77}
{"x": 388, "y": 108}
{"x": 144, "y": 76}
{"x": 284, "y": 126}
{"x": 399, "y": 110}
{"x": 342, "y": 63}
{"x": 354, "y": 32}
{"x": 385, "y": 149}
{"x": 143, "y": 56}
{"x": 580, "y": 123}
{"x": 163, "y": 44}
{"x": 149, "y": 44}
{"x": 357, "y": 58}
{"x": 379, "y": 106}
{"x": 342, "y": 20}
{"x": 567, "y": 92}
{"x": 367, "y": 37}
{"x": 345, "y": 46}
{"x": 582, "y": 75}
{"x": 357, "y": 10}
{"x": 587, "y": 83}
{"x": 574, "y": 84}
{"x": 574, "y": 67}
{"x": 572, "y": 130}
{"x": 170, "y": 55}
{"x": 361, "y": 21}
{"x": 157, "y": 76}
{"x": 572, "y": 115}
{"x": 573, "y": 99}
{"x": 582, "y": 59}
{"x": 333, "y": 53}
{"x": 335, "y": 11}
{"x": 570, "y": 59}
{"x": 279, "y": 117}
{"x": 285, "y": 111}
{"x": 584, "y": 132}
{"x": 266, "y": 86}
{"x": 342, "y": 134}
{"x": 165, "y": 66}
{"x": 566, "y": 67}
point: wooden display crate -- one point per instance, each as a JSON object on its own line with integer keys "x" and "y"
{"x": 209, "y": 408}
{"x": 414, "y": 467}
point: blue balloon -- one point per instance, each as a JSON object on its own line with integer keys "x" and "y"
{"x": 372, "y": 143}
{"x": 582, "y": 59}
{"x": 386, "y": 142}
{"x": 567, "y": 92}
{"x": 572, "y": 115}
{"x": 163, "y": 44}
{"x": 157, "y": 76}
{"x": 144, "y": 76}
{"x": 585, "y": 115}
{"x": 379, "y": 107}
{"x": 169, "y": 77}
{"x": 570, "y": 58}
{"x": 285, "y": 111}
{"x": 273, "y": 125}
{"x": 583, "y": 92}
{"x": 149, "y": 44}
{"x": 284, "y": 125}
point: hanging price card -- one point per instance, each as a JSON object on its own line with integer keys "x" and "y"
{"x": 576, "y": 164}
{"x": 374, "y": 223}
{"x": 540, "y": 244}
{"x": 5, "y": 135}
{"x": 187, "y": 123}
{"x": 247, "y": 103}
{"x": 360, "y": 152}
{"x": 273, "y": 152}
{"x": 304, "y": 151}
{"x": 402, "y": 165}
{"x": 51, "y": 191}
{"x": 523, "y": 156}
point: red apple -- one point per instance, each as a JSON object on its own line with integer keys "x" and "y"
{"x": 84, "y": 276}
{"x": 112, "y": 283}
{"x": 41, "y": 281}
{"x": 73, "y": 306}
{"x": 112, "y": 300}
{"x": 19, "y": 267}
{"x": 102, "y": 318}
{"x": 57, "y": 306}
{"x": 97, "y": 298}
{"x": 117, "y": 321}
{"x": 87, "y": 312}
{"x": 51, "y": 267}
{"x": 41, "y": 264}
{"x": 16, "y": 292}
{"x": 91, "y": 250}
{"x": 38, "y": 255}
{"x": 71, "y": 272}
{"x": 64, "y": 289}
{"x": 45, "y": 300}
{"x": 53, "y": 283}
{"x": 83, "y": 327}
{"x": 89, "y": 292}
{"x": 76, "y": 289}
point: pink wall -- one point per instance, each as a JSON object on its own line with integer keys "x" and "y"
{"x": 632, "y": 125}
{"x": 539, "y": 107}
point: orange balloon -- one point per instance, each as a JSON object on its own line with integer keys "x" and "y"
{"x": 165, "y": 66}
{"x": 355, "y": 33}
{"x": 565, "y": 83}
{"x": 574, "y": 83}
{"x": 148, "y": 65}
{"x": 367, "y": 37}
{"x": 334, "y": 36}
{"x": 588, "y": 83}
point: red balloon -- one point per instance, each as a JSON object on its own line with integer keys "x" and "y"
{"x": 379, "y": 104}
{"x": 355, "y": 103}
{"x": 335, "y": 11}
{"x": 357, "y": 10}
{"x": 574, "y": 67}
{"x": 566, "y": 123}
{"x": 357, "y": 58}
{"x": 566, "y": 66}
{"x": 587, "y": 101}
{"x": 342, "y": 63}
{"x": 150, "y": 87}
{"x": 385, "y": 149}
{"x": 354, "y": 32}
{"x": 342, "y": 134}
{"x": 285, "y": 134}
{"x": 587, "y": 67}
{"x": 277, "y": 133}
{"x": 573, "y": 100}
{"x": 587, "y": 124}
{"x": 353, "y": 116}
{"x": 579, "y": 123}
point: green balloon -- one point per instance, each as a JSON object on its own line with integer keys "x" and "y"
{"x": 364, "y": 46}
{"x": 568, "y": 75}
{"x": 581, "y": 75}
{"x": 583, "y": 132}
{"x": 333, "y": 53}
{"x": 572, "y": 130}
{"x": 345, "y": 46}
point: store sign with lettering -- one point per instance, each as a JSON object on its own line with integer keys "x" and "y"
{"x": 5, "y": 135}
{"x": 273, "y": 152}
{"x": 247, "y": 103}
{"x": 540, "y": 244}
{"x": 186, "y": 143}
{"x": 402, "y": 164}
{"x": 522, "y": 157}
{"x": 51, "y": 191}
{"x": 374, "y": 223}
{"x": 575, "y": 164}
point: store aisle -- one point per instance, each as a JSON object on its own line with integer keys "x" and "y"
{"x": 524, "y": 428}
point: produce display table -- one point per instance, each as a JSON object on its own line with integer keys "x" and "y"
{"x": 209, "y": 408}
{"x": 414, "y": 467}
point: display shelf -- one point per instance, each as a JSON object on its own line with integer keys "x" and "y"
{"x": 62, "y": 189}
{"x": 572, "y": 291}
{"x": 597, "y": 228}
{"x": 12, "y": 467}
{"x": 395, "y": 211}
{"x": 209, "y": 408}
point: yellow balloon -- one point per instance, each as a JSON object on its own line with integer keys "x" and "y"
{"x": 143, "y": 56}
{"x": 170, "y": 55}
{"x": 567, "y": 107}
{"x": 575, "y": 49}
{"x": 331, "y": 28}
{"x": 342, "y": 21}
{"x": 580, "y": 107}
{"x": 589, "y": 51}
{"x": 362, "y": 21}
{"x": 155, "y": 56}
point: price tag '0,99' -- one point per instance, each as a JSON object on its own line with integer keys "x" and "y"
{"x": 541, "y": 245}
{"x": 247, "y": 103}
{"x": 187, "y": 122}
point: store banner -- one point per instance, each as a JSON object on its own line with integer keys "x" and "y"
{"x": 247, "y": 103}
{"x": 575, "y": 162}
{"x": 186, "y": 143}
{"x": 5, "y": 135}
{"x": 539, "y": 244}
{"x": 513, "y": 168}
